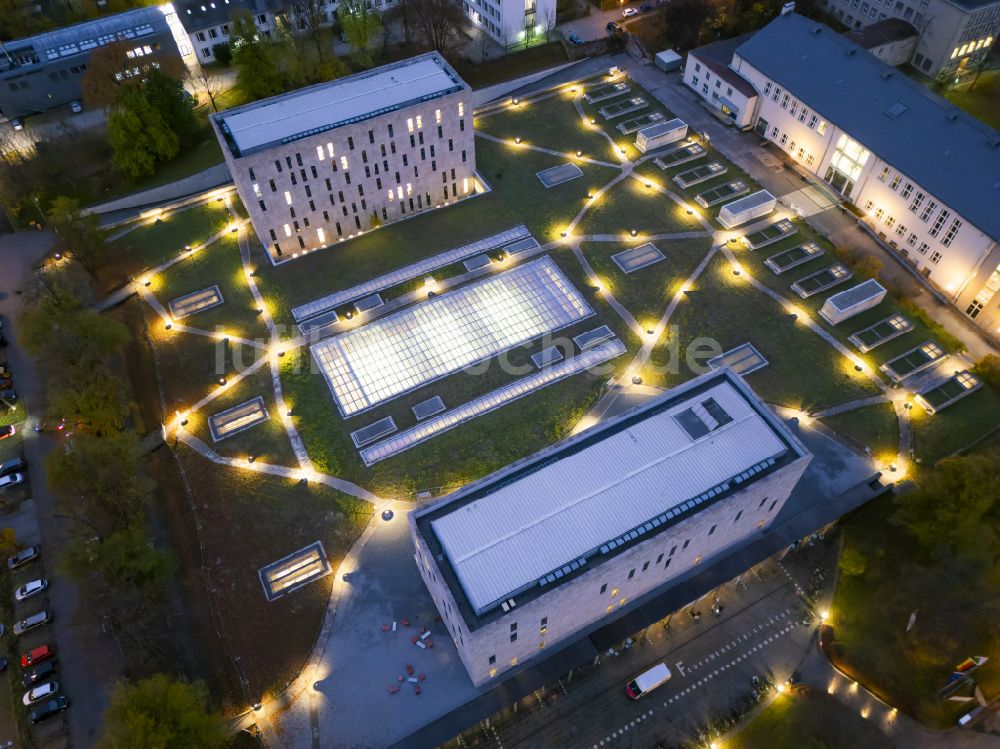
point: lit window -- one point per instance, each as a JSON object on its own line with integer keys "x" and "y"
{"x": 409, "y": 124}
{"x": 256, "y": 190}
{"x": 288, "y": 230}
{"x": 465, "y": 184}
{"x": 288, "y": 197}
{"x": 461, "y": 109}
{"x": 322, "y": 236}
{"x": 329, "y": 150}
{"x": 343, "y": 162}
{"x": 319, "y": 153}
{"x": 420, "y": 122}
{"x": 437, "y": 116}
{"x": 821, "y": 128}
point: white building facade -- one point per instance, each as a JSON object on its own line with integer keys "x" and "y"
{"x": 923, "y": 173}
{"x": 952, "y": 34}
{"x": 328, "y": 162}
{"x": 536, "y": 554}
{"x": 512, "y": 22}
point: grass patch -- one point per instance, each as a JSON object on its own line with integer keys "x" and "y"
{"x": 248, "y": 520}
{"x": 982, "y": 102}
{"x": 158, "y": 241}
{"x": 511, "y": 65}
{"x": 517, "y": 197}
{"x": 957, "y": 428}
{"x": 804, "y": 371}
{"x": 808, "y": 718}
{"x": 218, "y": 264}
{"x": 646, "y": 292}
{"x": 956, "y": 611}
{"x": 629, "y": 206}
{"x": 551, "y": 123}
{"x": 874, "y": 427}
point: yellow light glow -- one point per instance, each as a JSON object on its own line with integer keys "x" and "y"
{"x": 781, "y": 688}
{"x": 824, "y": 615}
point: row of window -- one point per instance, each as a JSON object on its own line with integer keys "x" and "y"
{"x": 779, "y": 136}
{"x": 923, "y": 207}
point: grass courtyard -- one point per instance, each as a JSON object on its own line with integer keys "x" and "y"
{"x": 719, "y": 310}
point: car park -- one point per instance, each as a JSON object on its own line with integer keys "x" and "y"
{"x": 32, "y": 622}
{"x": 48, "y": 709}
{"x": 13, "y": 479}
{"x": 629, "y": 12}
{"x": 14, "y": 465}
{"x": 39, "y": 674}
{"x": 29, "y": 589}
{"x": 41, "y": 692}
{"x": 39, "y": 654}
{"x": 24, "y": 556}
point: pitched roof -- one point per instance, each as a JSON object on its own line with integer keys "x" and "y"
{"x": 717, "y": 56}
{"x": 883, "y": 32}
{"x": 947, "y": 152}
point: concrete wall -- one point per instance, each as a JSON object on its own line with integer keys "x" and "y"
{"x": 301, "y": 199}
{"x": 609, "y": 586}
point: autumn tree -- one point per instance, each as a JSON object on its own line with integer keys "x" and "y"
{"x": 111, "y": 69}
{"x": 685, "y": 21}
{"x": 160, "y": 713}
{"x": 437, "y": 23}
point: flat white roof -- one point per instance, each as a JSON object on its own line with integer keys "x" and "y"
{"x": 863, "y": 292}
{"x": 329, "y": 105}
{"x": 418, "y": 344}
{"x": 590, "y": 493}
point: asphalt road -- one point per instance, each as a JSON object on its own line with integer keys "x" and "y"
{"x": 86, "y": 662}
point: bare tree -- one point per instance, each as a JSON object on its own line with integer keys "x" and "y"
{"x": 209, "y": 82}
{"x": 313, "y": 22}
{"x": 438, "y": 23}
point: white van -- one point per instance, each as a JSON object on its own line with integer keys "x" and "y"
{"x": 648, "y": 681}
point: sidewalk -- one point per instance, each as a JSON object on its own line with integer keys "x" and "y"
{"x": 767, "y": 167}
{"x": 196, "y": 183}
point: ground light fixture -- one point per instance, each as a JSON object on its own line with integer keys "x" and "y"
{"x": 222, "y": 381}
{"x": 517, "y": 139}
{"x": 579, "y": 153}
{"x": 634, "y": 232}
{"x": 824, "y": 615}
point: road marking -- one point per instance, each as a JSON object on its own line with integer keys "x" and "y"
{"x": 680, "y": 667}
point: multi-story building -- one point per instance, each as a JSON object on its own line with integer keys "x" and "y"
{"x": 209, "y": 24}
{"x": 924, "y": 173}
{"x": 42, "y": 72}
{"x": 891, "y": 40}
{"x": 512, "y": 22}
{"x": 952, "y": 34}
{"x": 330, "y": 161}
{"x": 553, "y": 546}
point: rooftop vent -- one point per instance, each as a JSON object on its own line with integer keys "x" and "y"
{"x": 952, "y": 116}
{"x": 702, "y": 418}
{"x": 895, "y": 110}
{"x": 886, "y": 74}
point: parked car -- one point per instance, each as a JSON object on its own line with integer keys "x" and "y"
{"x": 613, "y": 28}
{"x": 645, "y": 7}
{"x": 48, "y": 709}
{"x": 39, "y": 654}
{"x": 575, "y": 39}
{"x": 6, "y": 482}
{"x": 7, "y": 431}
{"x": 75, "y": 107}
{"x": 32, "y": 622}
{"x": 42, "y": 692}
{"x": 39, "y": 674}
{"x": 13, "y": 465}
{"x": 17, "y": 123}
{"x": 3, "y": 665}
{"x": 30, "y": 589}
{"x": 23, "y": 557}
{"x": 629, "y": 12}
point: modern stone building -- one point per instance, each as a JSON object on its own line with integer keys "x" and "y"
{"x": 556, "y": 544}
{"x": 331, "y": 161}
{"x": 923, "y": 173}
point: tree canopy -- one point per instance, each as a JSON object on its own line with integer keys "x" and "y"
{"x": 956, "y": 510}
{"x": 139, "y": 135}
{"x": 160, "y": 713}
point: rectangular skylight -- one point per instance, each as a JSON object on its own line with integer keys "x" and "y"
{"x": 417, "y": 345}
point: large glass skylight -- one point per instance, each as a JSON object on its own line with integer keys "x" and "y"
{"x": 410, "y": 348}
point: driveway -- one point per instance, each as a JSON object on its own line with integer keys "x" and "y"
{"x": 595, "y": 25}
{"x": 86, "y": 661}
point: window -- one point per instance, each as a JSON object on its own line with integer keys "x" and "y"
{"x": 767, "y": 86}
{"x": 513, "y": 637}
{"x": 912, "y": 239}
{"x": 784, "y": 101}
{"x": 493, "y": 659}
{"x": 688, "y": 541}
{"x": 604, "y": 588}
{"x": 895, "y": 183}
{"x": 673, "y": 549}
{"x": 813, "y": 119}
{"x": 869, "y": 205}
{"x": 821, "y": 128}
{"x": 974, "y": 308}
{"x": 773, "y": 504}
{"x": 667, "y": 563}
{"x": 631, "y": 573}
{"x": 543, "y": 628}
{"x": 850, "y": 157}
{"x": 922, "y": 249}
{"x": 645, "y": 566}
{"x": 762, "y": 503}
{"x": 900, "y": 230}
{"x": 949, "y": 237}
{"x": 939, "y": 222}
{"x": 917, "y": 200}
{"x": 928, "y": 210}
{"x": 907, "y": 189}
{"x": 935, "y": 257}
{"x": 711, "y": 530}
